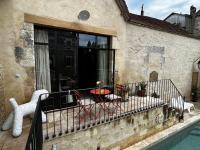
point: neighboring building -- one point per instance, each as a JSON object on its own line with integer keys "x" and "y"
{"x": 143, "y": 45}
{"x": 189, "y": 22}
{"x": 182, "y": 20}
{"x": 197, "y": 24}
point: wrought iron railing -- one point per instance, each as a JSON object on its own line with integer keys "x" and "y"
{"x": 75, "y": 110}
{"x": 35, "y": 138}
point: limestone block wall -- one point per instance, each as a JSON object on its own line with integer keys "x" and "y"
{"x": 171, "y": 56}
{"x": 115, "y": 135}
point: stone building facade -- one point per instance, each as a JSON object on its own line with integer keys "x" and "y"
{"x": 141, "y": 46}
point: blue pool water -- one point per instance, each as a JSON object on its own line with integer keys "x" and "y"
{"x": 186, "y": 139}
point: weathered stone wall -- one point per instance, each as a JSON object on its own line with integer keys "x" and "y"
{"x": 17, "y": 57}
{"x": 171, "y": 56}
{"x": 197, "y": 26}
{"x": 2, "y": 93}
{"x": 17, "y": 38}
{"x": 13, "y": 74}
{"x": 115, "y": 135}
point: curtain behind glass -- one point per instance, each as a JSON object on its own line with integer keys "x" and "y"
{"x": 43, "y": 80}
{"x": 102, "y": 66}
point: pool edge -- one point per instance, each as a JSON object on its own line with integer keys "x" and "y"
{"x": 162, "y": 135}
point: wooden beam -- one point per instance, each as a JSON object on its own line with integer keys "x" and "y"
{"x": 44, "y": 21}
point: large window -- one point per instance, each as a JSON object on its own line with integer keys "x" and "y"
{"x": 73, "y": 60}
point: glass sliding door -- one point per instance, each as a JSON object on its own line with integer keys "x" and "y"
{"x": 95, "y": 60}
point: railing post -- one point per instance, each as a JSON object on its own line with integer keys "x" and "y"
{"x": 35, "y": 138}
{"x": 182, "y": 115}
{"x": 39, "y": 122}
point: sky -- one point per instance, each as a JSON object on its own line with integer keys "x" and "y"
{"x": 161, "y": 8}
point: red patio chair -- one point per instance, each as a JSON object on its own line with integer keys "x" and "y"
{"x": 116, "y": 99}
{"x": 86, "y": 106}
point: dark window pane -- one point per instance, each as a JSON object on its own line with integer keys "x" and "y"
{"x": 102, "y": 42}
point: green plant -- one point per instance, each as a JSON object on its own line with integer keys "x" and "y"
{"x": 142, "y": 86}
{"x": 141, "y": 89}
{"x": 155, "y": 95}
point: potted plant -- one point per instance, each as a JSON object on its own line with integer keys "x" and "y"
{"x": 141, "y": 89}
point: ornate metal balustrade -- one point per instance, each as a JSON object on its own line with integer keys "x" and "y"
{"x": 75, "y": 110}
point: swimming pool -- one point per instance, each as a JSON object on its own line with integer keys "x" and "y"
{"x": 186, "y": 139}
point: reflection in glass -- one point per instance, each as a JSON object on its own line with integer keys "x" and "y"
{"x": 86, "y": 40}
{"x": 92, "y": 41}
{"x": 102, "y": 42}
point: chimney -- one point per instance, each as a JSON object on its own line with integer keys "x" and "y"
{"x": 192, "y": 14}
{"x": 192, "y": 10}
{"x": 142, "y": 10}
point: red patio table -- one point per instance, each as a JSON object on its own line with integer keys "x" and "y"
{"x": 99, "y": 96}
{"x": 100, "y": 91}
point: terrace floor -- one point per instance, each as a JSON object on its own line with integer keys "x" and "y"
{"x": 8, "y": 142}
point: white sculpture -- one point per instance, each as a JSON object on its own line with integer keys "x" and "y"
{"x": 15, "y": 118}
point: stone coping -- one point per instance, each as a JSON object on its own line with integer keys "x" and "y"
{"x": 146, "y": 143}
